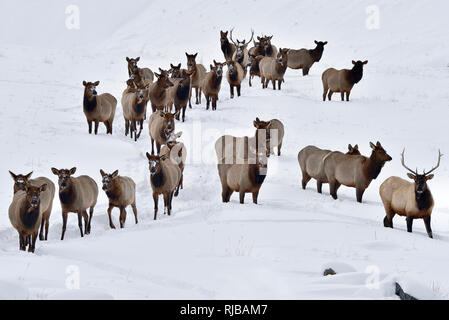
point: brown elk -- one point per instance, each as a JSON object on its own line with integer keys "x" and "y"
{"x": 98, "y": 108}
{"x": 121, "y": 192}
{"x": 234, "y": 75}
{"x": 227, "y": 48}
{"x": 177, "y": 72}
{"x": 161, "y": 126}
{"x": 177, "y": 153}
{"x": 270, "y": 49}
{"x": 241, "y": 54}
{"x": 134, "y": 103}
{"x": 305, "y": 58}
{"x": 198, "y": 73}
{"x": 311, "y": 161}
{"x": 179, "y": 94}
{"x": 253, "y": 64}
{"x": 27, "y": 210}
{"x": 76, "y": 195}
{"x": 273, "y": 70}
{"x": 20, "y": 184}
{"x": 146, "y": 74}
{"x": 272, "y": 127}
{"x": 354, "y": 171}
{"x": 258, "y": 49}
{"x": 159, "y": 96}
{"x": 164, "y": 179}
{"x": 342, "y": 80}
{"x": 410, "y": 199}
{"x": 211, "y": 84}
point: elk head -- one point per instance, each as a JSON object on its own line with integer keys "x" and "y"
{"x": 168, "y": 122}
{"x": 20, "y": 181}
{"x": 154, "y": 163}
{"x": 163, "y": 80}
{"x": 357, "y": 70}
{"x": 282, "y": 56}
{"x": 90, "y": 88}
{"x": 317, "y": 53}
{"x": 172, "y": 140}
{"x": 353, "y": 150}
{"x": 420, "y": 179}
{"x": 217, "y": 68}
{"x": 191, "y": 61}
{"x": 224, "y": 37}
{"x": 132, "y": 63}
{"x": 107, "y": 179}
{"x": 263, "y": 133}
{"x": 175, "y": 71}
{"x": 34, "y": 194}
{"x": 241, "y": 46}
{"x": 266, "y": 41}
{"x": 64, "y": 176}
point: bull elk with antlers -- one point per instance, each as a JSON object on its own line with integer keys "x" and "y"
{"x": 410, "y": 199}
{"x": 241, "y": 54}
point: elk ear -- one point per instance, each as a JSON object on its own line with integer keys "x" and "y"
{"x": 195, "y": 55}
{"x": 114, "y": 174}
{"x": 350, "y": 147}
{"x": 55, "y": 171}
{"x": 429, "y": 177}
{"x": 211, "y": 67}
{"x": 28, "y": 176}
{"x": 127, "y": 59}
{"x": 157, "y": 75}
{"x": 365, "y": 62}
{"x": 255, "y": 124}
{"x": 96, "y": 83}
{"x": 378, "y": 144}
{"x": 179, "y": 65}
{"x": 187, "y": 55}
{"x": 102, "y": 173}
{"x": 72, "y": 171}
{"x": 171, "y": 66}
{"x": 353, "y": 62}
{"x": 372, "y": 145}
{"x": 84, "y": 83}
{"x": 137, "y": 59}
{"x": 43, "y": 187}
{"x": 258, "y": 38}
{"x": 148, "y": 156}
{"x": 316, "y": 42}
{"x": 356, "y": 147}
{"x": 13, "y": 176}
{"x": 161, "y": 71}
{"x": 411, "y": 176}
{"x": 325, "y": 42}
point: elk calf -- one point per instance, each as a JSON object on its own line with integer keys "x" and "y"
{"x": 27, "y": 210}
{"x": 272, "y": 69}
{"x": 211, "y": 84}
{"x": 311, "y": 161}
{"x": 305, "y": 58}
{"x": 410, "y": 199}
{"x": 234, "y": 76}
{"x": 134, "y": 103}
{"x": 76, "y": 195}
{"x": 177, "y": 153}
{"x": 354, "y": 171}
{"x": 342, "y": 80}
{"x": 243, "y": 178}
{"x": 121, "y": 192}
{"x": 161, "y": 126}
{"x": 98, "y": 108}
{"x": 198, "y": 73}
{"x": 272, "y": 127}
{"x": 20, "y": 184}
{"x": 164, "y": 179}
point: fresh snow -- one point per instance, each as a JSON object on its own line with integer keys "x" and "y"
{"x": 277, "y": 249}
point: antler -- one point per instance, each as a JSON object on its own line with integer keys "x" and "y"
{"x": 252, "y": 36}
{"x": 232, "y": 40}
{"x": 438, "y": 164}
{"x": 403, "y": 164}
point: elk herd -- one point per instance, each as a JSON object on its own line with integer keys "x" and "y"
{"x": 242, "y": 162}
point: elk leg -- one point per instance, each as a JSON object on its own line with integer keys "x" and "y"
{"x": 111, "y": 224}
{"x": 41, "y": 232}
{"x": 359, "y": 194}
{"x": 207, "y": 102}
{"x": 122, "y": 217}
{"x": 274, "y": 84}
{"x": 319, "y": 186}
{"x": 279, "y": 149}
{"x": 428, "y": 228}
{"x": 409, "y": 224}
{"x": 342, "y": 96}
{"x": 224, "y": 194}
{"x": 156, "y": 201}
{"x": 238, "y": 90}
{"x": 333, "y": 186}
{"x": 135, "y": 130}
{"x": 305, "y": 179}
{"x": 279, "y": 84}
{"x": 266, "y": 83}
{"x": 32, "y": 244}
{"x": 47, "y": 224}
{"x": 214, "y": 103}
{"x": 255, "y": 196}
{"x": 86, "y": 222}
{"x": 170, "y": 199}
{"x": 90, "y": 126}
{"x": 64, "y": 224}
{"x": 326, "y": 89}
{"x": 305, "y": 71}
{"x": 133, "y": 206}
{"x": 126, "y": 127}
{"x": 80, "y": 221}
{"x": 250, "y": 77}
{"x": 329, "y": 96}
{"x": 231, "y": 88}
{"x": 242, "y": 197}
{"x": 196, "y": 94}
{"x": 152, "y": 146}
{"x": 22, "y": 243}
{"x": 190, "y": 97}
{"x": 184, "y": 113}
{"x": 388, "y": 220}
{"x": 91, "y": 214}
{"x": 96, "y": 127}
{"x": 165, "y": 202}
{"x": 347, "y": 95}
{"x": 158, "y": 148}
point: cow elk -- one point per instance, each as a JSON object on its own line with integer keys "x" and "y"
{"x": 342, "y": 80}
{"x": 305, "y": 58}
{"x": 410, "y": 199}
{"x": 253, "y": 65}
{"x": 354, "y": 171}
{"x": 211, "y": 84}
{"x": 177, "y": 153}
{"x": 27, "y": 211}
{"x": 164, "y": 179}
{"x": 270, "y": 49}
{"x": 159, "y": 96}
{"x": 161, "y": 126}
{"x": 146, "y": 74}
{"x": 98, "y": 108}
{"x": 227, "y": 48}
{"x": 121, "y": 192}
{"x": 198, "y": 73}
{"x": 134, "y": 103}
{"x": 273, "y": 70}
{"x": 77, "y": 194}
{"x": 234, "y": 75}
{"x": 275, "y": 134}
{"x": 179, "y": 94}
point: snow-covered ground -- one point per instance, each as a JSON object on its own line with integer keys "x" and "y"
{"x": 209, "y": 250}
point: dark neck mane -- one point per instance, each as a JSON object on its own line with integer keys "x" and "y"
{"x": 355, "y": 74}
{"x": 425, "y": 200}
{"x": 67, "y": 196}
{"x": 89, "y": 104}
{"x": 157, "y": 179}
{"x": 30, "y": 215}
{"x": 373, "y": 167}
{"x": 316, "y": 53}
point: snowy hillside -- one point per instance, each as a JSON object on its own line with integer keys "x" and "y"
{"x": 277, "y": 249}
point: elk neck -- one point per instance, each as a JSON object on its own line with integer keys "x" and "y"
{"x": 90, "y": 102}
